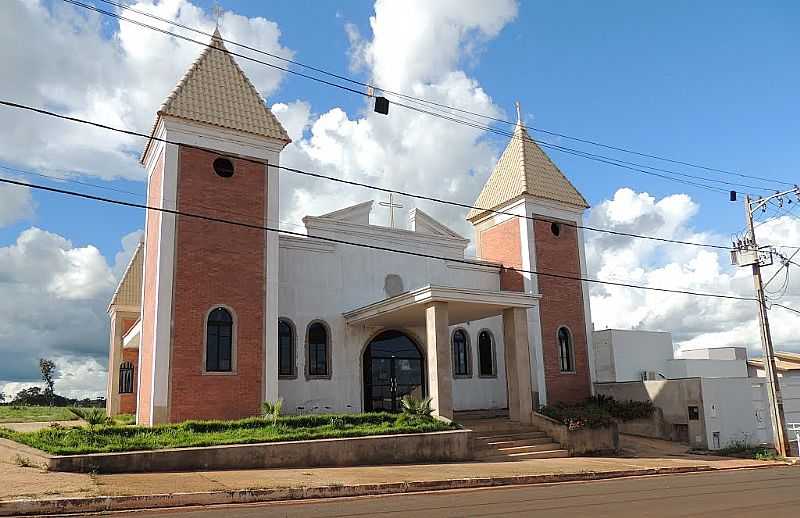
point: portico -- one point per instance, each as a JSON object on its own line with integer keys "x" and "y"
{"x": 436, "y": 308}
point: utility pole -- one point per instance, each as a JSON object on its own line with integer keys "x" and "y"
{"x": 746, "y": 253}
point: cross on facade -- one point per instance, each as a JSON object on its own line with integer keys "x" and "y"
{"x": 392, "y": 205}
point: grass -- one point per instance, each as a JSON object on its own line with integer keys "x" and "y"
{"x": 65, "y": 441}
{"x": 30, "y": 414}
{"x": 744, "y": 450}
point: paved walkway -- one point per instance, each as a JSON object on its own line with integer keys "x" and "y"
{"x": 23, "y": 482}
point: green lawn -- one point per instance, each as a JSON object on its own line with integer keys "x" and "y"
{"x": 29, "y": 414}
{"x": 65, "y": 441}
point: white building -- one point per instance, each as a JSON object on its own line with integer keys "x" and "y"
{"x": 704, "y": 395}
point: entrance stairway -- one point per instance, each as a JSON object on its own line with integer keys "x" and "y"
{"x": 499, "y": 439}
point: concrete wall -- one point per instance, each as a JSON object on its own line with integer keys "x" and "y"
{"x": 736, "y": 411}
{"x": 673, "y": 397}
{"x": 450, "y": 446}
{"x": 714, "y": 353}
{"x": 321, "y": 281}
{"x": 705, "y": 368}
{"x": 790, "y": 390}
{"x": 622, "y": 355}
{"x": 586, "y": 440}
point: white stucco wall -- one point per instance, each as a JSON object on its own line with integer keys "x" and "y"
{"x": 698, "y": 368}
{"x": 736, "y": 409}
{"x": 622, "y": 355}
{"x": 321, "y": 281}
{"x": 790, "y": 390}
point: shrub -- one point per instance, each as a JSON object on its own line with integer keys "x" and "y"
{"x": 93, "y": 416}
{"x": 418, "y": 408}
{"x": 272, "y": 409}
{"x": 337, "y": 422}
{"x": 578, "y": 416}
{"x": 623, "y": 410}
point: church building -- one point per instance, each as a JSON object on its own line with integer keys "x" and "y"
{"x": 211, "y": 319}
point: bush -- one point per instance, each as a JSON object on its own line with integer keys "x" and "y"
{"x": 623, "y": 410}
{"x": 418, "y": 408}
{"x": 93, "y": 416}
{"x": 578, "y": 416}
{"x": 272, "y": 410}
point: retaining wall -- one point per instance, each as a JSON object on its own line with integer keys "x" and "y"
{"x": 581, "y": 441}
{"x": 448, "y": 446}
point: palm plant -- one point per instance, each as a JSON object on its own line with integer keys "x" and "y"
{"x": 94, "y": 417}
{"x": 272, "y": 409}
{"x": 418, "y": 408}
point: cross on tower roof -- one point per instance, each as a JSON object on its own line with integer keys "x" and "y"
{"x": 519, "y": 112}
{"x": 218, "y": 12}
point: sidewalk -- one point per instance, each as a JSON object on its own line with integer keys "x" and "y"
{"x": 259, "y": 485}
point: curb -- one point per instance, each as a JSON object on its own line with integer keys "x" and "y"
{"x": 245, "y": 496}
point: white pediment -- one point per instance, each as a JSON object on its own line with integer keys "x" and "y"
{"x": 422, "y": 223}
{"x": 354, "y": 214}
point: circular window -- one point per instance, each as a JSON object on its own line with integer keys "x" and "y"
{"x": 223, "y": 167}
{"x": 555, "y": 228}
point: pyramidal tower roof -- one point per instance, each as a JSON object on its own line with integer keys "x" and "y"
{"x": 524, "y": 168}
{"x": 216, "y": 91}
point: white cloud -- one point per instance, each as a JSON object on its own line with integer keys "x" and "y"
{"x": 53, "y": 298}
{"x": 694, "y": 321}
{"x": 16, "y": 203}
{"x": 406, "y": 150}
{"x": 72, "y": 65}
{"x": 74, "y": 378}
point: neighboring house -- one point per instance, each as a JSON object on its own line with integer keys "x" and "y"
{"x": 229, "y": 316}
{"x": 788, "y": 366}
{"x": 705, "y": 396}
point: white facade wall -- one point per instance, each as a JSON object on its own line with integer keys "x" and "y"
{"x": 790, "y": 390}
{"x": 697, "y": 368}
{"x": 736, "y": 410}
{"x": 622, "y": 355}
{"x": 321, "y": 281}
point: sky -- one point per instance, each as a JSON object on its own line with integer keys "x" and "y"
{"x": 713, "y": 84}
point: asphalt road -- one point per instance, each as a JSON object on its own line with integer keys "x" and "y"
{"x": 773, "y": 492}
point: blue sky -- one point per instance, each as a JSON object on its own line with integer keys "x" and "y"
{"x": 713, "y": 83}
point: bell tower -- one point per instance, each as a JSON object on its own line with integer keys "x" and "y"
{"x": 209, "y": 298}
{"x": 540, "y": 233}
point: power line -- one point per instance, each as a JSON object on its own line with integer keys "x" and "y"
{"x": 785, "y": 307}
{"x": 362, "y": 245}
{"x": 433, "y": 103}
{"x": 354, "y": 183}
{"x": 600, "y": 158}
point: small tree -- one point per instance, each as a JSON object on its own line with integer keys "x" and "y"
{"x": 2, "y": 397}
{"x": 48, "y": 367}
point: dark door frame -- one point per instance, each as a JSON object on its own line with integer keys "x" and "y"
{"x": 366, "y": 358}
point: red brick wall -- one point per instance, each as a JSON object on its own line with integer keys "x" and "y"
{"x": 127, "y": 402}
{"x": 217, "y": 263}
{"x": 501, "y": 243}
{"x": 561, "y": 304}
{"x": 152, "y": 234}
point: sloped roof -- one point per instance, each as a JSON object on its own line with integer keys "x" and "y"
{"x": 216, "y": 91}
{"x": 129, "y": 290}
{"x": 524, "y": 168}
{"x": 783, "y": 361}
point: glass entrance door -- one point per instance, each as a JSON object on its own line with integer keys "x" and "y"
{"x": 393, "y": 368}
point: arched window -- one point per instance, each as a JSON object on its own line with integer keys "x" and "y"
{"x": 486, "y": 367}
{"x": 286, "y": 343}
{"x": 126, "y": 378}
{"x": 565, "y": 349}
{"x": 461, "y": 363}
{"x": 219, "y": 341}
{"x": 318, "y": 359}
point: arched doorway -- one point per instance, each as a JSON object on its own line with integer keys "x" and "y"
{"x": 393, "y": 367}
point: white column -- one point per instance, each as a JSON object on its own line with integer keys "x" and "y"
{"x": 518, "y": 365}
{"x": 272, "y": 257}
{"x": 440, "y": 382}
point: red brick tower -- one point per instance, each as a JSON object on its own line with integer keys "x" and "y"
{"x": 209, "y": 298}
{"x": 525, "y": 182}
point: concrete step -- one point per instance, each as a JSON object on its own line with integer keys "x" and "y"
{"x": 543, "y": 439}
{"x": 511, "y": 436}
{"x": 548, "y": 446}
{"x": 545, "y": 454}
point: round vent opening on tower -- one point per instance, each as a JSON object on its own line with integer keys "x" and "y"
{"x": 555, "y": 228}
{"x": 223, "y": 167}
